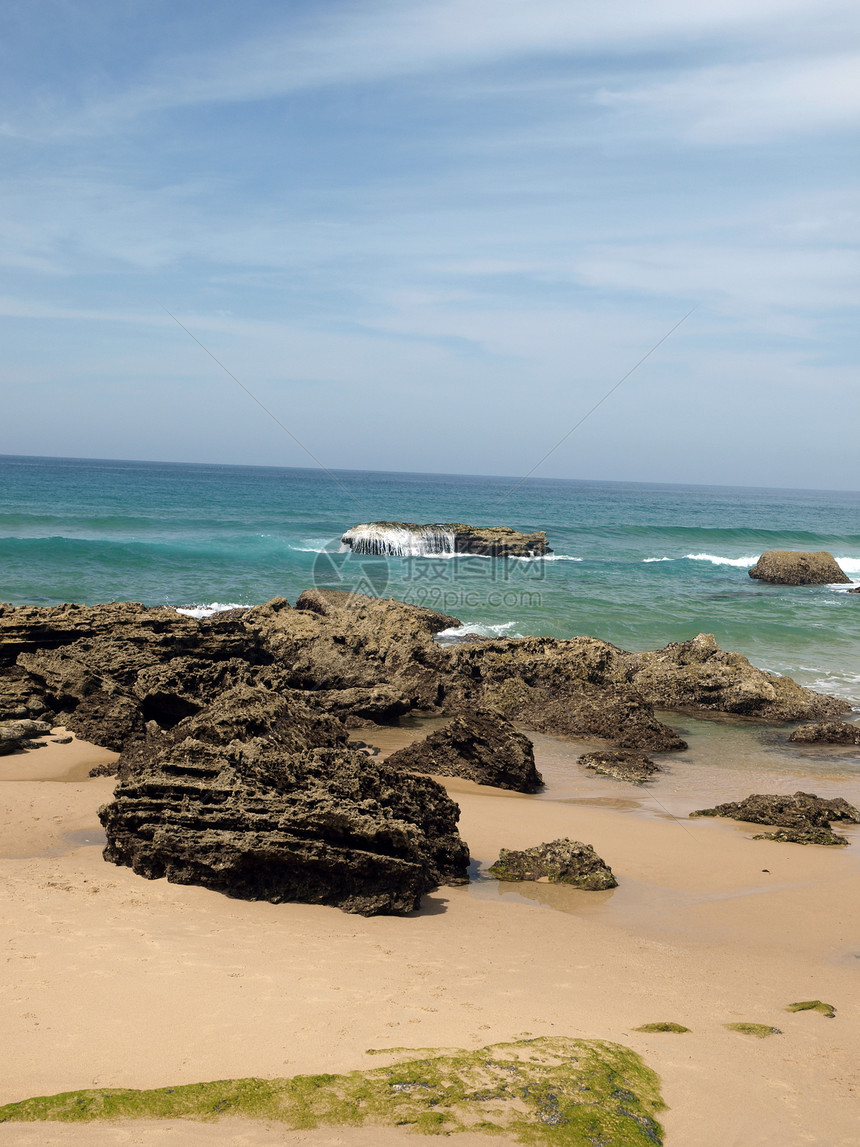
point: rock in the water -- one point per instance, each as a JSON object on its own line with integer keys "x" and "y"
{"x": 482, "y": 747}
{"x": 827, "y": 733}
{"x": 800, "y": 810}
{"x": 623, "y": 764}
{"x": 809, "y": 835}
{"x": 797, "y": 567}
{"x": 559, "y": 862}
{"x": 413, "y": 540}
{"x": 697, "y": 674}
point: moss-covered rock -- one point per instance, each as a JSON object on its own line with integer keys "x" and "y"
{"x": 558, "y": 862}
{"x": 542, "y": 1091}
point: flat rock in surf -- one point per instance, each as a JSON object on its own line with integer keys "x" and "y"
{"x": 826, "y": 733}
{"x": 622, "y": 764}
{"x": 800, "y": 818}
{"x": 408, "y": 539}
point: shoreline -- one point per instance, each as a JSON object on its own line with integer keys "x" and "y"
{"x": 119, "y": 981}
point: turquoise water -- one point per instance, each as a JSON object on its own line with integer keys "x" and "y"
{"x": 638, "y": 565}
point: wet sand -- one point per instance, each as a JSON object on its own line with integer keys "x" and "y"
{"x": 112, "y": 980}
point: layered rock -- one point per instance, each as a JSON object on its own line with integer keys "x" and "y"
{"x": 698, "y": 675}
{"x": 798, "y": 567}
{"x": 558, "y": 862}
{"x": 803, "y": 818}
{"x": 409, "y": 539}
{"x": 257, "y": 796}
{"x": 623, "y": 765}
{"x": 481, "y": 747}
{"x": 826, "y": 733}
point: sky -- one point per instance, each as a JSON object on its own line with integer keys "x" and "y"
{"x": 433, "y": 235}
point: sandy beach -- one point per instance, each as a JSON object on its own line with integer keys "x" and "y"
{"x": 112, "y": 980}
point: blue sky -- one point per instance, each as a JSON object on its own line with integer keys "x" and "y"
{"x": 431, "y": 235}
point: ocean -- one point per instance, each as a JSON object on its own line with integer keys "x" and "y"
{"x": 635, "y": 564}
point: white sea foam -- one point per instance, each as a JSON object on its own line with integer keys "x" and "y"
{"x": 849, "y": 565}
{"x": 645, "y": 561}
{"x": 213, "y": 607}
{"x": 545, "y": 558}
{"x": 719, "y": 560}
{"x": 395, "y": 541}
{"x": 502, "y": 629}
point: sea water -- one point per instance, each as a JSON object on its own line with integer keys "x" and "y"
{"x": 635, "y": 564}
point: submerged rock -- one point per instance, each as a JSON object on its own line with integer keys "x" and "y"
{"x": 827, "y": 733}
{"x": 559, "y": 862}
{"x": 624, "y": 765}
{"x": 411, "y": 539}
{"x": 802, "y": 836}
{"x": 796, "y": 810}
{"x": 481, "y": 747}
{"x": 798, "y": 567}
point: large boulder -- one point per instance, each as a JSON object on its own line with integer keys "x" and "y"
{"x": 481, "y": 747}
{"x": 798, "y": 567}
{"x": 558, "y": 862}
{"x": 256, "y": 796}
{"x": 698, "y": 675}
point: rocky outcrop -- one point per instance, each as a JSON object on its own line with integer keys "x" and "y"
{"x": 698, "y": 675}
{"x": 578, "y": 687}
{"x": 803, "y": 818}
{"x": 257, "y": 796}
{"x": 797, "y": 567}
{"x": 826, "y": 733}
{"x": 481, "y": 747}
{"x": 623, "y": 765}
{"x": 558, "y": 862}
{"x": 413, "y": 540}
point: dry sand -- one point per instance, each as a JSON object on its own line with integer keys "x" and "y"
{"x": 112, "y": 980}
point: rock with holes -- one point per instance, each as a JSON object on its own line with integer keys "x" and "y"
{"x": 622, "y": 764}
{"x": 798, "y": 810}
{"x": 826, "y": 733}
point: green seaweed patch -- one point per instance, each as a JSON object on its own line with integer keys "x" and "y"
{"x": 664, "y": 1026}
{"x": 760, "y": 1031}
{"x": 549, "y": 1090}
{"x": 813, "y": 1006}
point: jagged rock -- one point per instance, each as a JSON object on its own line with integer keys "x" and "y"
{"x": 15, "y": 735}
{"x": 797, "y": 567}
{"x": 253, "y": 820}
{"x": 800, "y": 810}
{"x": 577, "y": 687}
{"x": 409, "y": 538}
{"x": 856, "y": 589}
{"x": 481, "y": 747}
{"x": 802, "y": 836}
{"x": 559, "y": 862}
{"x": 624, "y": 765}
{"x": 827, "y": 733}
{"x": 697, "y": 674}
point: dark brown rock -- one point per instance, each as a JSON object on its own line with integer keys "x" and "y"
{"x": 797, "y": 567}
{"x": 827, "y": 733}
{"x": 559, "y": 862}
{"x": 624, "y": 765}
{"x": 250, "y": 819}
{"x": 481, "y": 747}
{"x": 800, "y": 810}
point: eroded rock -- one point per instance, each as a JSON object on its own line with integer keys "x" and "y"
{"x": 827, "y": 733}
{"x": 798, "y": 567}
{"x": 481, "y": 747}
{"x": 802, "y": 811}
{"x": 561, "y": 861}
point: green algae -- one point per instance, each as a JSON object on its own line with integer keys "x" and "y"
{"x": 813, "y": 1006}
{"x": 539, "y": 1091}
{"x": 664, "y": 1026}
{"x": 760, "y": 1031}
